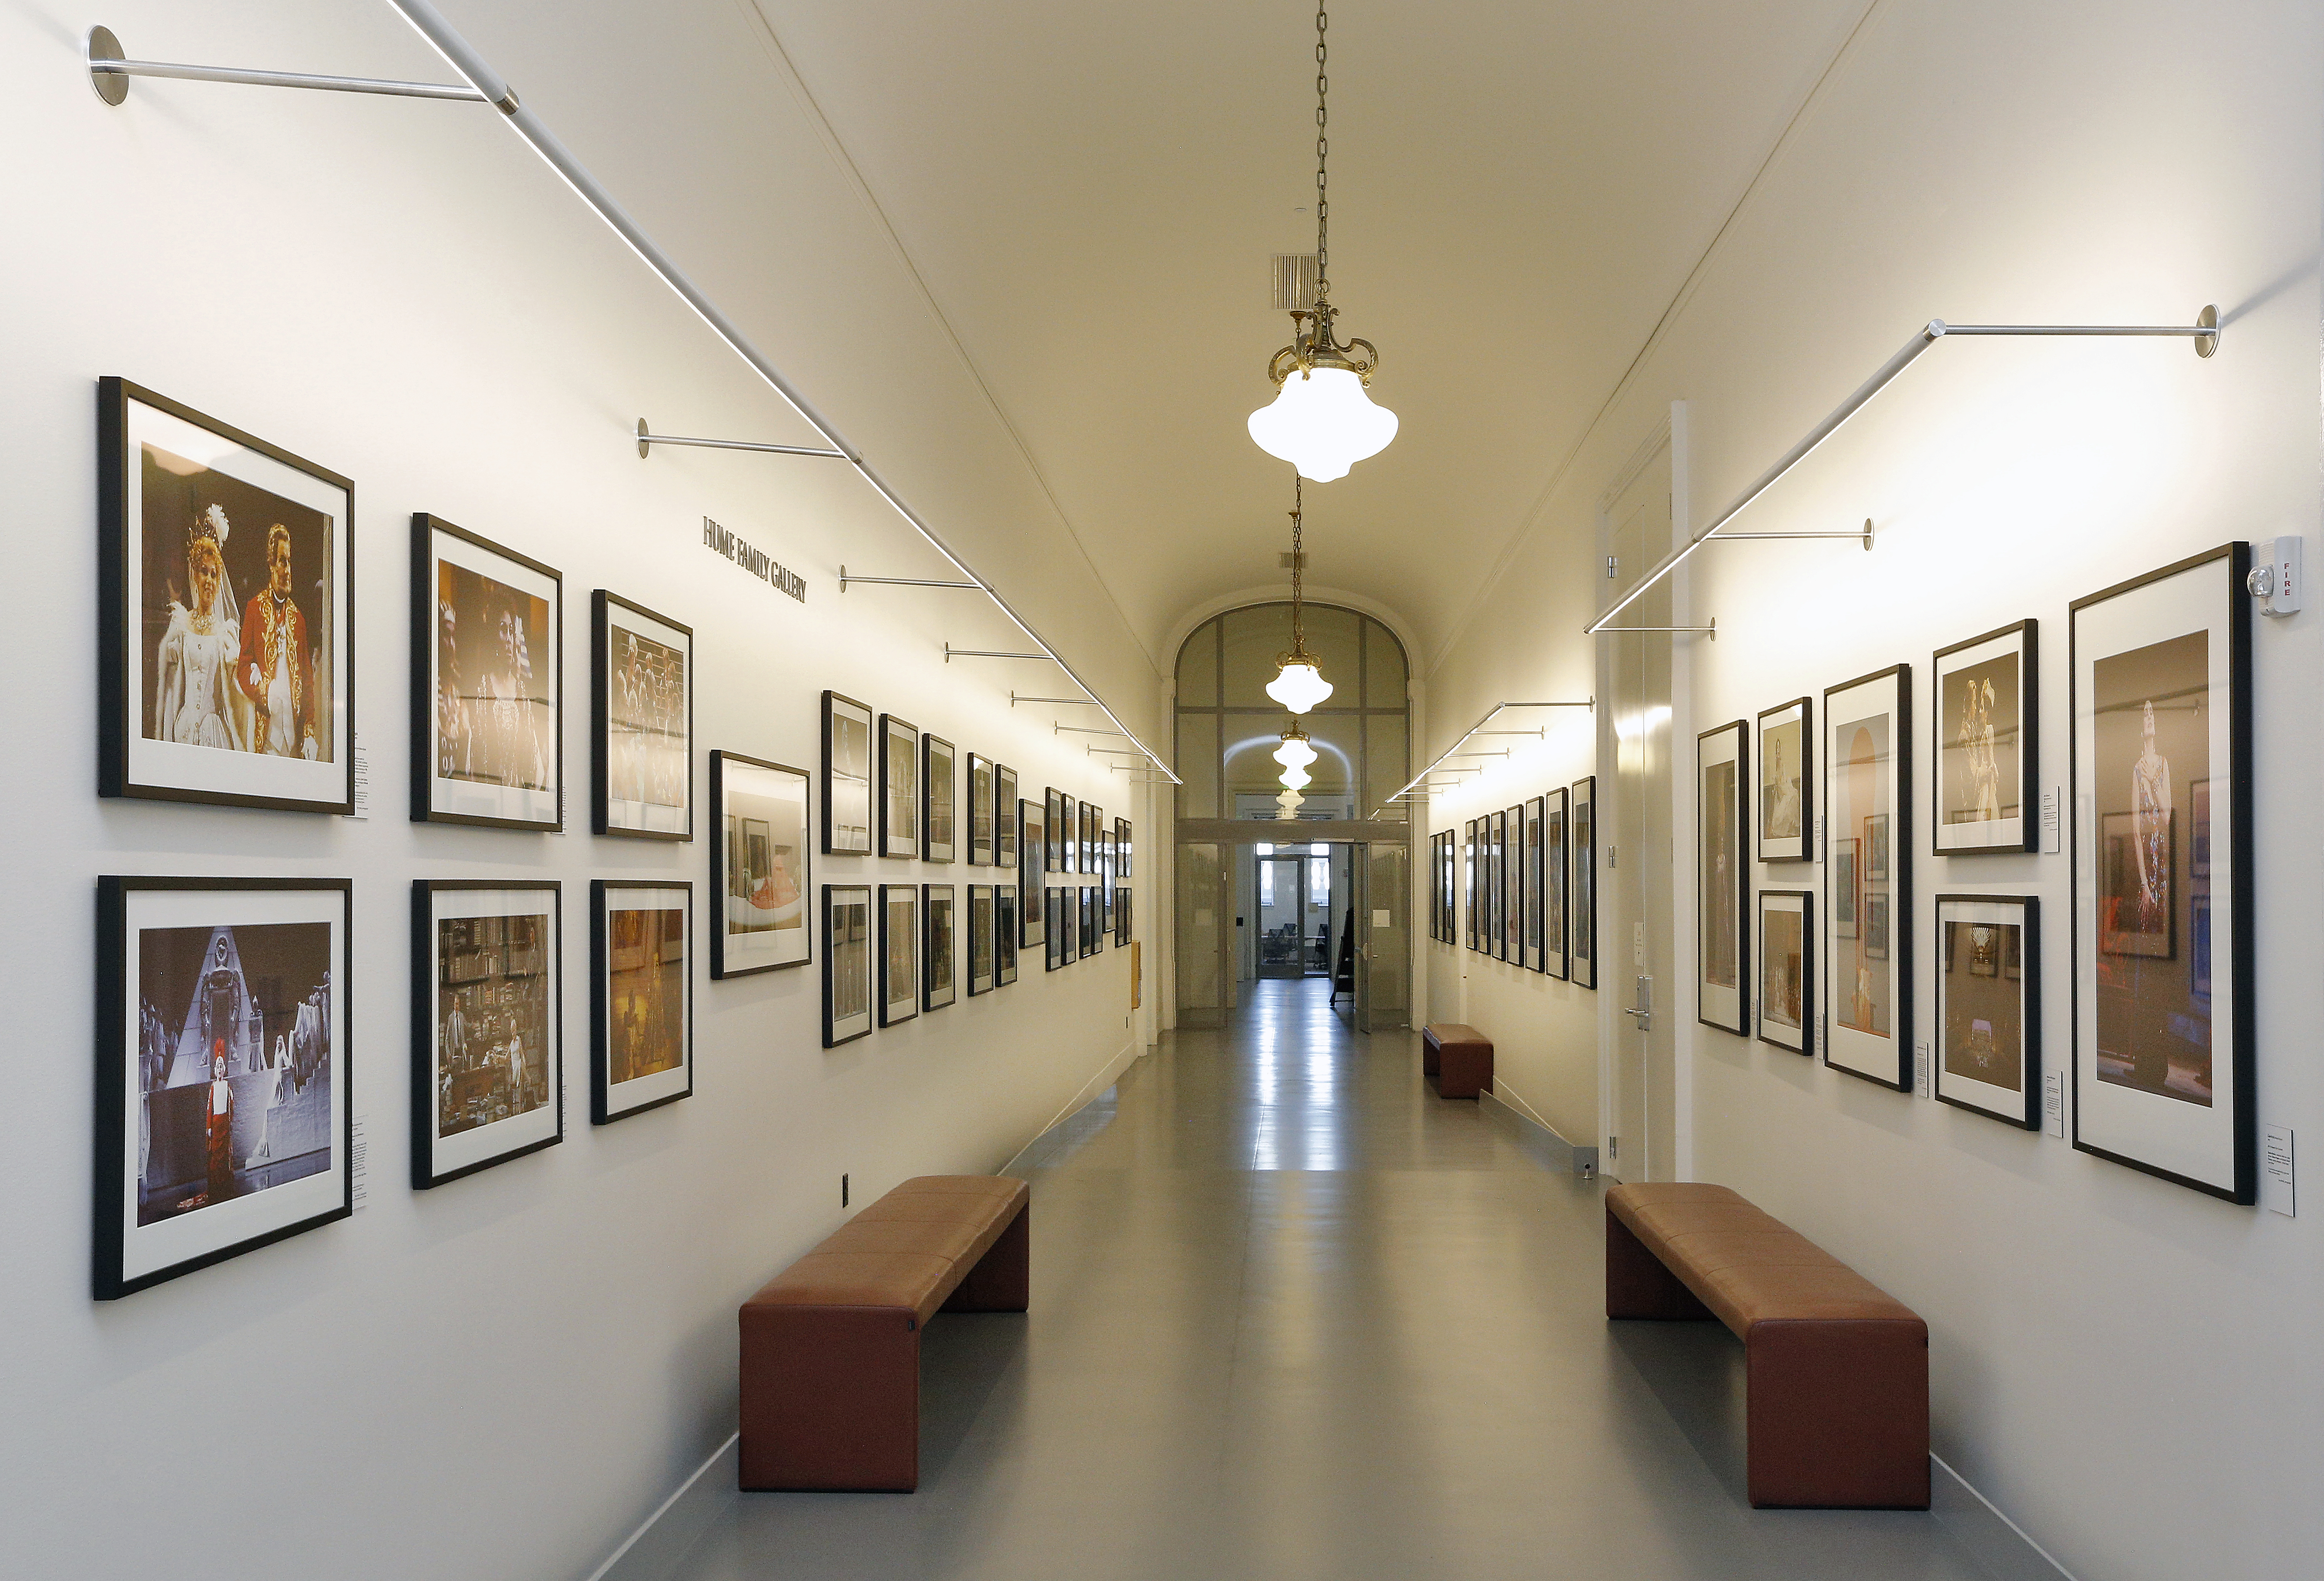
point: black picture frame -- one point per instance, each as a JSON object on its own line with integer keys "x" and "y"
{"x": 1054, "y": 938}
{"x": 1582, "y": 898}
{"x": 1786, "y": 1001}
{"x": 1497, "y": 894}
{"x": 1004, "y": 934}
{"x": 847, "y": 986}
{"x": 1070, "y": 827}
{"x": 613, "y": 1095}
{"x": 939, "y": 946}
{"x": 1970, "y": 773}
{"x": 1513, "y": 891}
{"x": 439, "y": 1082}
{"x": 1091, "y": 939}
{"x": 1122, "y": 848}
{"x": 899, "y": 791}
{"x": 899, "y": 953}
{"x": 1989, "y": 1064}
{"x": 847, "y": 788}
{"x": 982, "y": 939}
{"x": 1723, "y": 883}
{"x": 939, "y": 799}
{"x": 151, "y": 747}
{"x": 1472, "y": 859}
{"x": 1864, "y": 719}
{"x": 1784, "y": 828}
{"x": 749, "y": 819}
{"x": 982, "y": 825}
{"x": 1121, "y": 927}
{"x": 1033, "y": 849}
{"x": 479, "y": 710}
{"x": 2146, "y": 1094}
{"x": 1557, "y": 890}
{"x": 1005, "y": 814}
{"x": 644, "y": 725}
{"x": 136, "y": 1245}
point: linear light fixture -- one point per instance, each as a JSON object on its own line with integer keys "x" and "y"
{"x": 2204, "y": 332}
{"x": 109, "y": 73}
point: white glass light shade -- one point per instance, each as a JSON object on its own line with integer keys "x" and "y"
{"x": 1294, "y": 753}
{"x": 1299, "y": 686}
{"x": 1294, "y": 778}
{"x": 1322, "y": 423}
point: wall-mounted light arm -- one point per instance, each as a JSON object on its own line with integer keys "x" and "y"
{"x": 2204, "y": 332}
{"x": 1444, "y": 756}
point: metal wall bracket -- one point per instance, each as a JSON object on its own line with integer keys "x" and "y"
{"x": 1864, "y": 538}
{"x": 1711, "y": 631}
{"x": 1069, "y": 701}
{"x": 110, "y": 72}
{"x": 951, "y": 653}
{"x": 904, "y": 582}
{"x": 1080, "y": 729}
{"x": 647, "y": 440}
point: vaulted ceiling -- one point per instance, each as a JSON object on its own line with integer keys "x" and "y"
{"x": 1091, "y": 194}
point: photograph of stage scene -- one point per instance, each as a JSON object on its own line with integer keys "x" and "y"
{"x": 646, "y": 993}
{"x": 646, "y": 726}
{"x": 234, "y": 1055}
{"x": 492, "y": 1019}
{"x": 496, "y": 721}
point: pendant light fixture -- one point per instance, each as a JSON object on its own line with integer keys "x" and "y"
{"x": 1321, "y": 421}
{"x": 1299, "y": 684}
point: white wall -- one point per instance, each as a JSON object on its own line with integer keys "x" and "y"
{"x": 2126, "y": 1367}
{"x": 500, "y": 1377}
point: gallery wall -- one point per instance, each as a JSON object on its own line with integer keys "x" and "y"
{"x": 503, "y": 1377}
{"x": 2123, "y": 1365}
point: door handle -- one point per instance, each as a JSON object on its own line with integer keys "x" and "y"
{"x": 1643, "y": 1012}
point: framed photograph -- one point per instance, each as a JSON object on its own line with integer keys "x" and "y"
{"x": 1722, "y": 889}
{"x": 487, "y": 683}
{"x": 899, "y": 951}
{"x": 979, "y": 939}
{"x": 1868, "y": 770}
{"x": 1532, "y": 888}
{"x": 938, "y": 949}
{"x": 1513, "y": 882}
{"x": 487, "y": 1024}
{"x": 1989, "y": 1027}
{"x": 979, "y": 811}
{"x": 1069, "y": 835}
{"x": 1583, "y": 902}
{"x": 1550, "y": 873}
{"x": 225, "y": 617}
{"x": 847, "y": 777}
{"x": 1051, "y": 853}
{"x": 1105, "y": 880}
{"x": 1005, "y": 809}
{"x": 2161, "y": 705}
{"x": 1785, "y": 749}
{"x": 847, "y": 963}
{"x": 1121, "y": 916}
{"x": 1122, "y": 848}
{"x": 222, "y": 1118}
{"x": 1055, "y": 929}
{"x": 1469, "y": 856}
{"x": 1094, "y": 843}
{"x": 1786, "y": 968}
{"x": 939, "y": 799}
{"x": 1497, "y": 888}
{"x": 1985, "y": 747}
{"x": 1091, "y": 938}
{"x": 1004, "y": 934}
{"x": 899, "y": 788}
{"x": 1034, "y": 848}
{"x": 640, "y": 996}
{"x": 642, "y": 736}
{"x": 759, "y": 866}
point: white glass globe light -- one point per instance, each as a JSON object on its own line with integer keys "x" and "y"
{"x": 1322, "y": 422}
{"x": 1295, "y": 752}
{"x": 1299, "y": 686}
{"x": 1294, "y": 778}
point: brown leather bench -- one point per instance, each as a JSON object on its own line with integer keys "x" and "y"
{"x": 1459, "y": 1056}
{"x": 831, "y": 1348}
{"x": 1837, "y": 1391}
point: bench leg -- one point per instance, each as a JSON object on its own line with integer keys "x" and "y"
{"x": 1428, "y": 1056}
{"x": 1839, "y": 1415}
{"x": 1002, "y": 1279}
{"x": 830, "y": 1400}
{"x": 1637, "y": 1285}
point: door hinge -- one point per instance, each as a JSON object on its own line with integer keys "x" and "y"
{"x": 1612, "y": 565}
{"x": 1613, "y": 1147}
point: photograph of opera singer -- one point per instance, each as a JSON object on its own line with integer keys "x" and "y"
{"x": 243, "y": 678}
{"x": 646, "y": 996}
{"x": 647, "y": 723}
{"x": 492, "y": 1019}
{"x": 234, "y": 1057}
{"x": 494, "y": 717}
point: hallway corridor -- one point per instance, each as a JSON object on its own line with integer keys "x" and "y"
{"x": 1296, "y": 1318}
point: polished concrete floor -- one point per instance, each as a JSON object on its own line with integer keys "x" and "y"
{"x": 1295, "y": 1317}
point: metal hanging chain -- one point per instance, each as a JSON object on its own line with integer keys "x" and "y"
{"x": 1323, "y": 155}
{"x": 1298, "y": 561}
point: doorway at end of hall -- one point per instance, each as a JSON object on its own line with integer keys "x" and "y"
{"x": 1293, "y": 888}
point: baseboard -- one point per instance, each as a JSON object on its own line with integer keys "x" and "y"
{"x": 1092, "y": 1090}
{"x": 654, "y": 1549}
{"x": 1991, "y": 1538}
{"x": 1512, "y": 1115}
